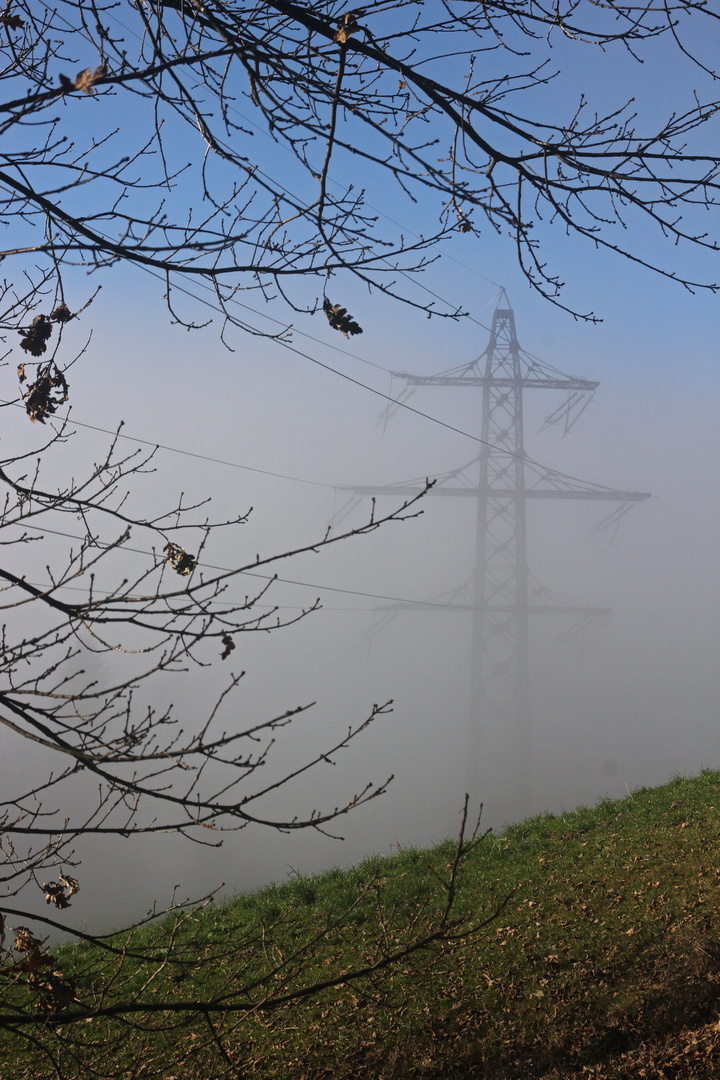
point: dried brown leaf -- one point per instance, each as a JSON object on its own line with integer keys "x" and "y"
{"x": 32, "y": 947}
{"x": 35, "y": 339}
{"x": 34, "y": 960}
{"x": 84, "y": 80}
{"x": 55, "y": 894}
{"x": 49, "y": 390}
{"x": 229, "y": 646}
{"x": 61, "y": 314}
{"x": 179, "y": 559}
{"x": 70, "y": 883}
{"x": 339, "y": 319}
{"x": 24, "y": 940}
{"x": 347, "y": 26}
{"x": 55, "y": 991}
{"x": 14, "y": 22}
{"x": 59, "y": 892}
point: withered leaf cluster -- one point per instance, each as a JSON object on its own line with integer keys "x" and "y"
{"x": 339, "y": 319}
{"x": 229, "y": 646}
{"x": 347, "y": 26}
{"x": 61, "y": 314}
{"x": 25, "y": 942}
{"x": 46, "y": 394}
{"x": 59, "y": 892}
{"x": 179, "y": 559}
{"x": 84, "y": 80}
{"x": 35, "y": 339}
{"x": 54, "y": 991}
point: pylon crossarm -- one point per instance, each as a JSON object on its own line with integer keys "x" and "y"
{"x": 593, "y": 494}
{"x": 570, "y": 411}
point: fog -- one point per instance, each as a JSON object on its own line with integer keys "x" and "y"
{"x": 619, "y": 702}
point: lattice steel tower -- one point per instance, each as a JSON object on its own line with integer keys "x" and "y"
{"x": 504, "y": 595}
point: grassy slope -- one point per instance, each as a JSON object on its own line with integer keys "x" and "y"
{"x": 605, "y": 963}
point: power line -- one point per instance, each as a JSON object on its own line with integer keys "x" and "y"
{"x": 320, "y": 363}
{"x": 299, "y": 352}
{"x": 379, "y": 393}
{"x": 264, "y": 577}
{"x": 326, "y": 367}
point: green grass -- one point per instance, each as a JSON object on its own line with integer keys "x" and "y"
{"x": 605, "y": 963}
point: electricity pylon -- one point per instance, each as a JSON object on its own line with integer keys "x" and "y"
{"x": 503, "y": 596}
